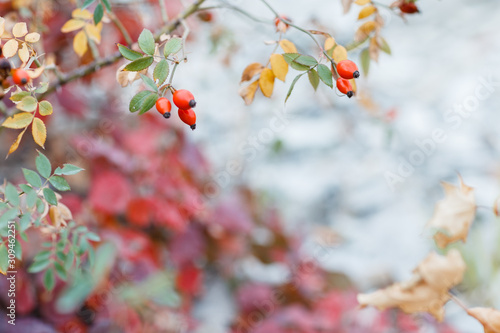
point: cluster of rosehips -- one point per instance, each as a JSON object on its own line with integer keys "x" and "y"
{"x": 19, "y": 76}
{"x": 184, "y": 100}
{"x": 347, "y": 70}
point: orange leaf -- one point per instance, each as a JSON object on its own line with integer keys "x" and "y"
{"x": 266, "y": 82}
{"x": 366, "y": 11}
{"x": 488, "y": 317}
{"x": 248, "y": 92}
{"x": 364, "y": 30}
{"x": 15, "y": 145}
{"x": 251, "y": 70}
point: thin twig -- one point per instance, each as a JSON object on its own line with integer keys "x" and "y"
{"x": 109, "y": 60}
{"x": 121, "y": 27}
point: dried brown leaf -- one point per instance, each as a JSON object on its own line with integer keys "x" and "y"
{"x": 250, "y": 71}
{"x": 488, "y": 317}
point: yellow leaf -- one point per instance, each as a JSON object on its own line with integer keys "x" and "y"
{"x": 45, "y": 108}
{"x": 80, "y": 43}
{"x": 24, "y": 54}
{"x": 15, "y": 145}
{"x": 426, "y": 291}
{"x": 72, "y": 25}
{"x": 373, "y": 49}
{"x": 454, "y": 214}
{"x": 329, "y": 43}
{"x": 2, "y": 25}
{"x": 19, "y": 120}
{"x": 287, "y": 46}
{"x": 248, "y": 92}
{"x": 366, "y": 11}
{"x": 82, "y": 14}
{"x": 361, "y": 2}
{"x": 94, "y": 32}
{"x": 266, "y": 82}
{"x": 353, "y": 84}
{"x": 339, "y": 53}
{"x": 36, "y": 72}
{"x": 279, "y": 66}
{"x": 10, "y": 48}
{"x": 39, "y": 132}
{"x": 250, "y": 71}
{"x": 20, "y": 29}
{"x": 364, "y": 30}
{"x": 488, "y": 317}
{"x": 32, "y": 37}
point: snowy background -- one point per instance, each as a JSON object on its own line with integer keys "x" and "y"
{"x": 328, "y": 165}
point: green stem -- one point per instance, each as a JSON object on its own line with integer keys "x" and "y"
{"x": 163, "y": 8}
{"x": 172, "y": 74}
{"x": 119, "y": 25}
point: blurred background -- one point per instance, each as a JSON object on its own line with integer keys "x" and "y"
{"x": 243, "y": 226}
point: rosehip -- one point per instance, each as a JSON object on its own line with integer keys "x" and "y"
{"x": 409, "y": 8}
{"x": 188, "y": 117}
{"x": 345, "y": 87}
{"x": 280, "y": 25}
{"x": 184, "y": 99}
{"x": 206, "y": 16}
{"x": 164, "y": 106}
{"x": 347, "y": 69}
{"x": 20, "y": 77}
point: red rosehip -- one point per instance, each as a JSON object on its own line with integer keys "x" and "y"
{"x": 183, "y": 99}
{"x": 206, "y": 16}
{"x": 345, "y": 87}
{"x": 164, "y": 106}
{"x": 188, "y": 117}
{"x": 408, "y": 8}
{"x": 347, "y": 69}
{"x": 20, "y": 77}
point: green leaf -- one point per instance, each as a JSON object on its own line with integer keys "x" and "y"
{"x": 98, "y": 14}
{"x": 128, "y": 53}
{"x": 43, "y": 87}
{"x": 45, "y": 108}
{"x": 19, "y": 96}
{"x": 87, "y": 3}
{"x": 93, "y": 236}
{"x": 147, "y": 42}
{"x": 149, "y": 102}
{"x": 68, "y": 263}
{"x": 43, "y": 255}
{"x": 40, "y": 207}
{"x": 43, "y": 165}
{"x": 11, "y": 194}
{"x": 4, "y": 260}
{"x": 291, "y": 58}
{"x": 107, "y": 5}
{"x": 313, "y": 78}
{"x": 28, "y": 104}
{"x": 382, "y": 43}
{"x": 25, "y": 221}
{"x": 325, "y": 74}
{"x": 68, "y": 170}
{"x": 18, "y": 250}
{"x": 139, "y": 64}
{"x": 49, "y": 280}
{"x": 39, "y": 265}
{"x": 142, "y": 101}
{"x": 149, "y": 82}
{"x": 8, "y": 216}
{"x": 365, "y": 60}
{"x": 292, "y": 86}
{"x": 161, "y": 71}
{"x": 306, "y": 60}
{"x": 59, "y": 183}
{"x": 50, "y": 196}
{"x": 32, "y": 178}
{"x": 173, "y": 46}
{"x": 60, "y": 271}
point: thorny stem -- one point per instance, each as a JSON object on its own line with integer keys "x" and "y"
{"x": 109, "y": 60}
{"x": 121, "y": 27}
